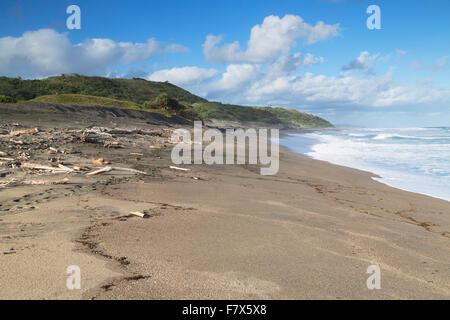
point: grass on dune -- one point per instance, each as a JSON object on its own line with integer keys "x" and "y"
{"x": 140, "y": 94}
{"x": 85, "y": 100}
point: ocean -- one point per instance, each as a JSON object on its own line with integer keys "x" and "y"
{"x": 412, "y": 159}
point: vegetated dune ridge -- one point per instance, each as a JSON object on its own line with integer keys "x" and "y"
{"x": 140, "y": 94}
{"x": 221, "y": 231}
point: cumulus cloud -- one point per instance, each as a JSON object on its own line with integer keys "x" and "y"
{"x": 289, "y": 63}
{"x": 46, "y": 52}
{"x": 184, "y": 76}
{"x": 267, "y": 40}
{"x": 236, "y": 77}
{"x": 362, "y": 63}
{"x": 319, "y": 91}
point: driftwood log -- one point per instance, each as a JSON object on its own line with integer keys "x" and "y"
{"x": 46, "y": 168}
{"x": 139, "y": 214}
{"x": 20, "y": 132}
{"x": 108, "y": 169}
{"x": 15, "y": 182}
{"x": 177, "y": 168}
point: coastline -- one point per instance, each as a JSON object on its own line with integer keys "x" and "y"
{"x": 306, "y": 240}
{"x": 385, "y": 175}
{"x": 219, "y": 232}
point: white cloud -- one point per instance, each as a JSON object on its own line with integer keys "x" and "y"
{"x": 46, "y": 52}
{"x": 236, "y": 77}
{"x": 274, "y": 36}
{"x": 400, "y": 52}
{"x": 362, "y": 63}
{"x": 288, "y": 64}
{"x": 319, "y": 91}
{"x": 184, "y": 76}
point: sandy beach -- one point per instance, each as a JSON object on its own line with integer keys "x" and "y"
{"x": 214, "y": 232}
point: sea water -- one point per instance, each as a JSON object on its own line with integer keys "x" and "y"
{"x": 412, "y": 159}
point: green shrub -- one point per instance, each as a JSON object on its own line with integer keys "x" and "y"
{"x": 135, "y": 90}
{"x": 7, "y": 99}
{"x": 167, "y": 103}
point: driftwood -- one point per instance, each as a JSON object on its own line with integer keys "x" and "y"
{"x": 55, "y": 150}
{"x": 139, "y": 214}
{"x": 7, "y": 159}
{"x": 97, "y": 130}
{"x": 181, "y": 169}
{"x": 102, "y": 170}
{"x": 15, "y": 182}
{"x": 100, "y": 161}
{"x": 20, "y": 132}
{"x": 129, "y": 170}
{"x": 78, "y": 168}
{"x": 66, "y": 168}
{"x": 136, "y": 131}
{"x": 5, "y": 184}
{"x": 148, "y": 133}
{"x": 47, "y": 168}
{"x": 155, "y": 147}
{"x": 107, "y": 169}
{"x": 44, "y": 183}
{"x": 112, "y": 144}
{"x": 136, "y": 154}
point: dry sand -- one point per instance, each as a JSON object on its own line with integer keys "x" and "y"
{"x": 217, "y": 232}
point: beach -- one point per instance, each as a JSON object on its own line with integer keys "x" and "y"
{"x": 214, "y": 232}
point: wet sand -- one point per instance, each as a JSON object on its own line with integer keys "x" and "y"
{"x": 221, "y": 232}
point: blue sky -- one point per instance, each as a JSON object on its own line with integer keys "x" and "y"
{"x": 260, "y": 52}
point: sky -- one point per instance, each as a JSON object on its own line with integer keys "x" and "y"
{"x": 316, "y": 56}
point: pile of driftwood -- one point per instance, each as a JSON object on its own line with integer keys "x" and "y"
{"x": 105, "y": 135}
{"x": 64, "y": 169}
{"x": 109, "y": 138}
{"x": 21, "y": 132}
{"x": 91, "y": 171}
{"x": 16, "y": 182}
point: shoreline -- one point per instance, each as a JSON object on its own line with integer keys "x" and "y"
{"x": 215, "y": 232}
{"x": 379, "y": 177}
{"x": 173, "y": 271}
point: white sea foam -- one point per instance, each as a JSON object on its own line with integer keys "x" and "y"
{"x": 413, "y": 159}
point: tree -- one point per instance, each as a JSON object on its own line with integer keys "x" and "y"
{"x": 167, "y": 103}
{"x": 7, "y": 99}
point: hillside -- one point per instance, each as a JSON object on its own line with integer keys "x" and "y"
{"x": 135, "y": 90}
{"x": 287, "y": 117}
{"x": 84, "y": 100}
{"x": 139, "y": 94}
